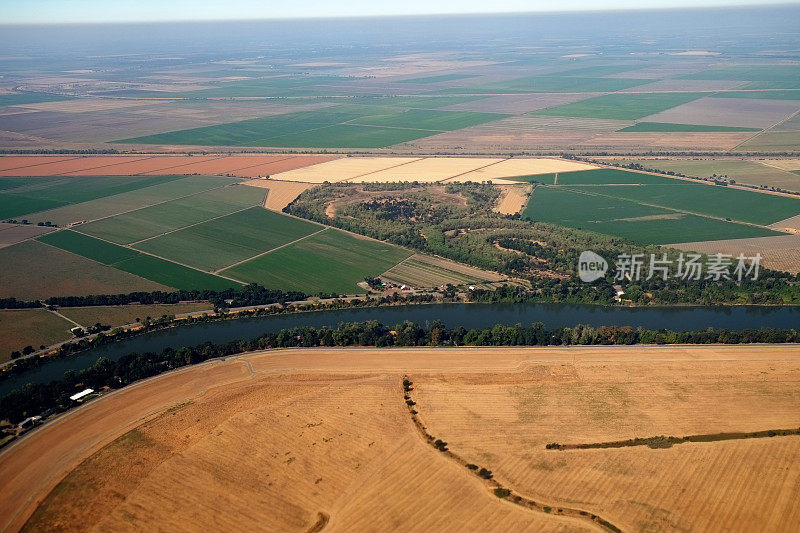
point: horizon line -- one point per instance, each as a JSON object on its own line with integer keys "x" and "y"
{"x": 693, "y": 7}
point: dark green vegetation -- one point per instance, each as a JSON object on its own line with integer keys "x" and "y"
{"x": 349, "y": 126}
{"x": 664, "y": 126}
{"x": 36, "y": 398}
{"x": 30, "y": 195}
{"x": 151, "y": 221}
{"x": 432, "y": 219}
{"x": 621, "y": 106}
{"x": 30, "y": 98}
{"x": 663, "y": 441}
{"x": 330, "y": 261}
{"x": 223, "y": 241}
{"x": 149, "y": 267}
{"x": 603, "y": 213}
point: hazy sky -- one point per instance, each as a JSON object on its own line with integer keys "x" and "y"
{"x": 54, "y": 11}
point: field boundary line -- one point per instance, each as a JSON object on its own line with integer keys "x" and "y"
{"x": 152, "y": 255}
{"x": 132, "y": 244}
{"x": 55, "y": 312}
{"x": 381, "y": 170}
{"x": 156, "y": 171}
{"x": 675, "y": 209}
{"x": 104, "y": 166}
{"x": 474, "y": 170}
{"x": 495, "y": 487}
{"x": 765, "y": 130}
{"x": 150, "y": 205}
{"x": 38, "y": 165}
{"x": 269, "y": 251}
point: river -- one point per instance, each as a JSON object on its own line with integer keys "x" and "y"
{"x": 453, "y": 315}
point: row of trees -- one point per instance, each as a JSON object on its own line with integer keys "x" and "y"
{"x": 37, "y": 398}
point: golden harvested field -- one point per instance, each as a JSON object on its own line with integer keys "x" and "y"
{"x": 515, "y": 167}
{"x": 120, "y": 315}
{"x": 342, "y": 169}
{"x": 286, "y": 440}
{"x": 429, "y": 170}
{"x": 781, "y": 252}
{"x": 513, "y": 198}
{"x": 281, "y": 193}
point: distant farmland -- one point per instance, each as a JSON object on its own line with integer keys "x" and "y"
{"x": 621, "y": 106}
{"x": 350, "y": 126}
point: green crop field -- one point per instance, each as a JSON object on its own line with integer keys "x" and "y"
{"x": 621, "y": 106}
{"x": 37, "y": 195}
{"x": 548, "y": 84}
{"x": 347, "y": 126}
{"x": 773, "y": 141}
{"x": 771, "y": 74}
{"x": 664, "y": 126}
{"x": 221, "y": 242}
{"x": 331, "y": 261}
{"x": 429, "y": 119}
{"x": 169, "y": 189}
{"x": 629, "y": 219}
{"x": 766, "y": 95}
{"x": 151, "y": 221}
{"x": 30, "y": 98}
{"x": 711, "y": 200}
{"x": 600, "y": 176}
{"x": 148, "y": 267}
{"x": 751, "y": 172}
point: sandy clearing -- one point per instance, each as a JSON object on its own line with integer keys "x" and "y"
{"x": 513, "y": 198}
{"x": 744, "y": 112}
{"x": 342, "y": 169}
{"x": 524, "y": 167}
{"x": 281, "y": 193}
{"x": 429, "y": 169}
{"x": 31, "y": 467}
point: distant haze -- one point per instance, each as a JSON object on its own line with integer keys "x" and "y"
{"x": 93, "y": 11}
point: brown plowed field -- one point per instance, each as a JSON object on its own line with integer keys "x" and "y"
{"x": 244, "y": 166}
{"x": 272, "y": 441}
